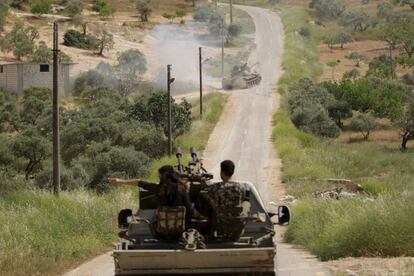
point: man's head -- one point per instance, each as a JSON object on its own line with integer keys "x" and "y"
{"x": 227, "y": 170}
{"x": 166, "y": 172}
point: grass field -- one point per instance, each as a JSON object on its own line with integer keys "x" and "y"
{"x": 379, "y": 226}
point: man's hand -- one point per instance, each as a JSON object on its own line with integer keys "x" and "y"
{"x": 114, "y": 181}
{"x": 118, "y": 181}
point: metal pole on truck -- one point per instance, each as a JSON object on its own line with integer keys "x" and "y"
{"x": 169, "y": 124}
{"x": 201, "y": 80}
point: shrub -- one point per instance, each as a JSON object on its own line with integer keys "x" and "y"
{"x": 91, "y": 78}
{"x": 41, "y": 7}
{"x": 304, "y": 31}
{"x": 73, "y": 38}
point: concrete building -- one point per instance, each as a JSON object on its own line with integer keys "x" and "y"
{"x": 16, "y": 77}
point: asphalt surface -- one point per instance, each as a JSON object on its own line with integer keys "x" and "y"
{"x": 243, "y": 135}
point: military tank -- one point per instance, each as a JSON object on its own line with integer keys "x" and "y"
{"x": 242, "y": 77}
{"x": 236, "y": 240}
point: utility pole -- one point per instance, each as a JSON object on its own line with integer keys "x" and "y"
{"x": 231, "y": 11}
{"x": 169, "y": 81}
{"x": 56, "y": 142}
{"x": 222, "y": 48}
{"x": 201, "y": 81}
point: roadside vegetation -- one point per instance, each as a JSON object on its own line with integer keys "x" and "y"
{"x": 111, "y": 126}
{"x": 369, "y": 119}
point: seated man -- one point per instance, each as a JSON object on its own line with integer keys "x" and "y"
{"x": 226, "y": 199}
{"x": 170, "y": 193}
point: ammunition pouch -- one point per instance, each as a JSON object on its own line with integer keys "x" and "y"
{"x": 169, "y": 222}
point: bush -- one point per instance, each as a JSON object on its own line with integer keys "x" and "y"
{"x": 91, "y": 78}
{"x": 304, "y": 31}
{"x": 73, "y": 38}
{"x": 315, "y": 119}
{"x": 41, "y": 7}
{"x": 74, "y": 7}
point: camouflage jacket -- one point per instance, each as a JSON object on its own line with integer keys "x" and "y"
{"x": 226, "y": 195}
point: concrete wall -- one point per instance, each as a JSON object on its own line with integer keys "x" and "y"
{"x": 8, "y": 79}
{"x": 18, "y": 77}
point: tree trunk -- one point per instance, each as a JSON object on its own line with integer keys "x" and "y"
{"x": 84, "y": 28}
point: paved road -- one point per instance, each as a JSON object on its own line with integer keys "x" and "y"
{"x": 243, "y": 135}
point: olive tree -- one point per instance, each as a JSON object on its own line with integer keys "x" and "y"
{"x": 104, "y": 41}
{"x": 364, "y": 123}
{"x": 359, "y": 20}
{"x": 144, "y": 9}
{"x": 4, "y": 10}
{"x": 153, "y": 109}
{"x": 357, "y": 57}
{"x": 74, "y": 7}
{"x": 410, "y": 3}
{"x": 406, "y": 126}
{"x": 130, "y": 63}
{"x": 20, "y": 40}
{"x": 32, "y": 147}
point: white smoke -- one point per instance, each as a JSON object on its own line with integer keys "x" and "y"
{"x": 178, "y": 45}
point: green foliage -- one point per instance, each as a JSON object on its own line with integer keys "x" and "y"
{"x": 90, "y": 78}
{"x": 328, "y": 9}
{"x": 410, "y": 3}
{"x": 97, "y": 5}
{"x": 364, "y": 123}
{"x": 169, "y": 16}
{"x": 74, "y": 7}
{"x": 153, "y": 109}
{"x": 20, "y": 40}
{"x": 406, "y": 125}
{"x": 381, "y": 67}
{"x": 9, "y": 115}
{"x": 41, "y": 7}
{"x": 42, "y": 54}
{"x": 384, "y": 98}
{"x": 207, "y": 13}
{"x": 103, "y": 41}
{"x": 18, "y": 4}
{"x": 385, "y": 10}
{"x": 103, "y": 8}
{"x": 233, "y": 30}
{"x": 54, "y": 233}
{"x": 352, "y": 227}
{"x": 360, "y": 21}
{"x": 131, "y": 64}
{"x": 343, "y": 38}
{"x": 304, "y": 31}
{"x": 73, "y": 38}
{"x": 180, "y": 13}
{"x": 348, "y": 227}
{"x": 107, "y": 11}
{"x": 32, "y": 148}
{"x": 144, "y": 9}
{"x": 352, "y": 74}
{"x": 309, "y": 104}
{"x": 4, "y": 10}
{"x": 102, "y": 160}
